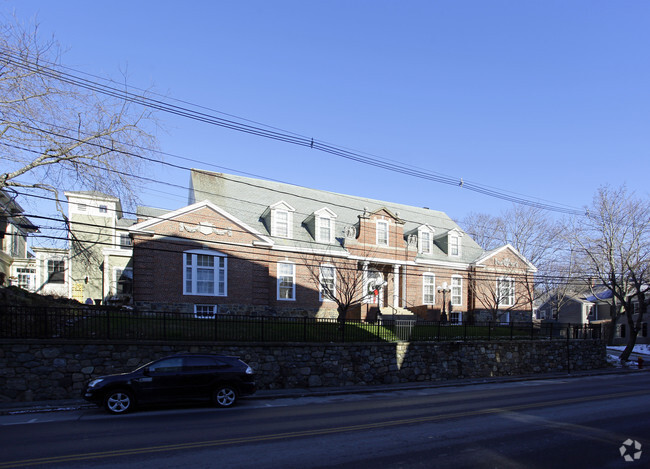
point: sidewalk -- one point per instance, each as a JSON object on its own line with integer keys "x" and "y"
{"x": 11, "y": 408}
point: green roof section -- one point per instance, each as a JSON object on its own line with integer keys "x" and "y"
{"x": 249, "y": 198}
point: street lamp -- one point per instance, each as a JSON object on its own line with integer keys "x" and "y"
{"x": 444, "y": 289}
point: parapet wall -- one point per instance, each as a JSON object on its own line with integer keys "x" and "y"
{"x": 41, "y": 370}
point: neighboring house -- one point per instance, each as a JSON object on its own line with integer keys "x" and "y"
{"x": 14, "y": 229}
{"x": 591, "y": 305}
{"x": 250, "y": 246}
{"x": 573, "y": 309}
{"x": 43, "y": 273}
{"x": 100, "y": 265}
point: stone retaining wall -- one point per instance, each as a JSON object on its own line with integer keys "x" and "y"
{"x": 41, "y": 370}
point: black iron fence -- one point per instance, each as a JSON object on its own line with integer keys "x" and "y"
{"x": 102, "y": 323}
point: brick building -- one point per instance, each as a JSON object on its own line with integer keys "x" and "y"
{"x": 250, "y": 246}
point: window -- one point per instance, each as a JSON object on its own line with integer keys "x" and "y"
{"x": 16, "y": 244}
{"x": 425, "y": 242}
{"x": 103, "y": 209}
{"x": 506, "y": 291}
{"x": 199, "y": 363}
{"x": 454, "y": 245}
{"x": 124, "y": 281}
{"x": 205, "y": 273}
{"x": 429, "y": 289}
{"x": 205, "y": 311}
{"x": 55, "y": 271}
{"x": 456, "y": 317}
{"x": 281, "y": 223}
{"x": 167, "y": 365}
{"x": 324, "y": 229}
{"x": 456, "y": 291}
{"x": 125, "y": 241}
{"x": 382, "y": 233}
{"x": 26, "y": 278}
{"x": 281, "y": 219}
{"x": 82, "y": 207}
{"x": 327, "y": 282}
{"x": 286, "y": 281}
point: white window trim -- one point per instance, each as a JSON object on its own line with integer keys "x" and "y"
{"x": 319, "y": 224}
{"x": 502, "y": 301}
{"x": 460, "y": 317}
{"x": 321, "y": 297}
{"x": 118, "y": 240}
{"x": 433, "y": 287}
{"x": 454, "y": 236}
{"x": 215, "y": 310}
{"x": 429, "y": 245}
{"x": 387, "y": 225}
{"x": 115, "y": 277}
{"x": 451, "y": 297}
{"x": 293, "y": 286}
{"x": 217, "y": 269}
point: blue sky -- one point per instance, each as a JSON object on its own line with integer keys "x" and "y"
{"x": 547, "y": 99}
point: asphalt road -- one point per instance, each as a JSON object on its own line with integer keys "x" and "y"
{"x": 570, "y": 422}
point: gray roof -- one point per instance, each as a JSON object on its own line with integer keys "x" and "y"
{"x": 248, "y": 199}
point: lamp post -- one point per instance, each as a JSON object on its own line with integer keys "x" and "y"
{"x": 444, "y": 289}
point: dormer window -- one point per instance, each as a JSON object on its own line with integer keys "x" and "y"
{"x": 324, "y": 229}
{"x": 281, "y": 223}
{"x": 425, "y": 239}
{"x": 453, "y": 243}
{"x": 382, "y": 233}
{"x": 322, "y": 225}
{"x": 282, "y": 220}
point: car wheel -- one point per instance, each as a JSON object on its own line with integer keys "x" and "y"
{"x": 118, "y": 401}
{"x": 225, "y": 396}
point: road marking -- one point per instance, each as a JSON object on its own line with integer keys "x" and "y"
{"x": 306, "y": 433}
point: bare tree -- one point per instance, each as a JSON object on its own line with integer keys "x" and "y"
{"x": 613, "y": 239}
{"x": 56, "y": 134}
{"x": 339, "y": 280}
{"x": 535, "y": 235}
{"x": 501, "y": 290}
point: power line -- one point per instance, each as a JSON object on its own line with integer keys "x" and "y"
{"x": 270, "y": 133}
{"x": 279, "y": 256}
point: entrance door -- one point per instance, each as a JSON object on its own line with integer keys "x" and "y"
{"x": 375, "y": 282}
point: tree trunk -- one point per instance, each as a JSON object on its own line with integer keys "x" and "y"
{"x": 631, "y": 340}
{"x": 343, "y": 313}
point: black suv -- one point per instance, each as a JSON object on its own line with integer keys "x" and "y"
{"x": 177, "y": 378}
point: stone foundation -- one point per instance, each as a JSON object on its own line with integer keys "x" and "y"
{"x": 41, "y": 370}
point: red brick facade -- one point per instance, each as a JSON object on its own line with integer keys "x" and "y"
{"x": 253, "y": 258}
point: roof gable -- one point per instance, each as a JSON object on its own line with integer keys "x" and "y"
{"x": 482, "y": 261}
{"x": 205, "y": 227}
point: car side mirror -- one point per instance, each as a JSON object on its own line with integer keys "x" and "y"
{"x": 146, "y": 371}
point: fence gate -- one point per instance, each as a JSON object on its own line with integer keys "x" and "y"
{"x": 403, "y": 328}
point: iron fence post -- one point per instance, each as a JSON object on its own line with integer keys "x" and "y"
{"x": 489, "y": 330}
{"x": 512, "y": 330}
